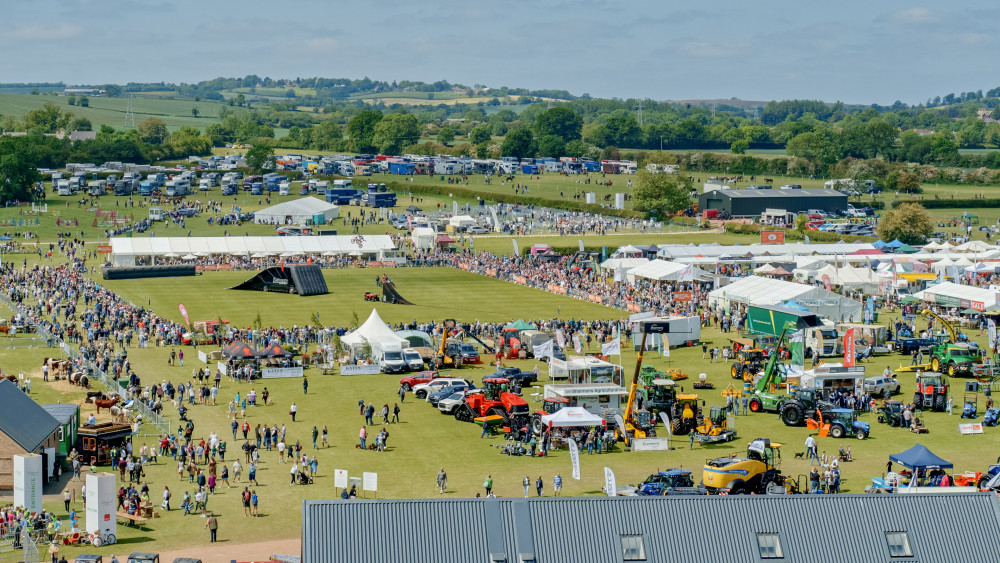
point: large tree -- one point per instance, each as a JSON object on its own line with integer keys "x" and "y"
{"x": 664, "y": 193}
{"x": 395, "y": 131}
{"x": 18, "y": 169}
{"x": 153, "y": 131}
{"x": 260, "y": 156}
{"x": 361, "y": 130}
{"x": 561, "y": 122}
{"x": 480, "y": 134}
{"x": 519, "y": 143}
{"x": 908, "y": 222}
{"x": 551, "y": 145}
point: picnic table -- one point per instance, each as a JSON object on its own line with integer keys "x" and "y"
{"x": 131, "y": 519}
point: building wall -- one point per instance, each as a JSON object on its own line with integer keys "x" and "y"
{"x": 8, "y": 449}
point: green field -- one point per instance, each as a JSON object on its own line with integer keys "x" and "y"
{"x": 111, "y": 111}
{"x": 425, "y": 440}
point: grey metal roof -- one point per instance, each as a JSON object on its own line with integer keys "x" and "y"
{"x": 22, "y": 419}
{"x": 778, "y": 194}
{"x": 62, "y": 412}
{"x": 842, "y": 528}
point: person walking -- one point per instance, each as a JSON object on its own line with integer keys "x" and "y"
{"x": 212, "y": 523}
{"x": 305, "y": 385}
{"x": 811, "y": 449}
{"x": 950, "y": 404}
{"x": 385, "y": 413}
{"x": 362, "y": 436}
{"x": 442, "y": 481}
{"x": 315, "y": 436}
{"x": 746, "y": 403}
{"x": 324, "y": 441}
{"x": 557, "y": 484}
{"x": 292, "y": 410}
{"x": 539, "y": 484}
{"x": 402, "y": 393}
{"x": 526, "y": 483}
{"x": 488, "y": 484}
{"x": 166, "y": 498}
{"x": 395, "y": 412}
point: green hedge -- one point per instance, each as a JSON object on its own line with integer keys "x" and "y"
{"x": 953, "y": 203}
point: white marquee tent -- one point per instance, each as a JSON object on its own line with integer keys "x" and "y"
{"x": 755, "y": 290}
{"x": 125, "y": 250}
{"x": 423, "y": 237}
{"x": 948, "y": 294}
{"x": 626, "y": 264}
{"x": 661, "y": 270}
{"x": 572, "y": 417}
{"x": 372, "y": 330}
{"x": 297, "y": 212}
{"x": 460, "y": 221}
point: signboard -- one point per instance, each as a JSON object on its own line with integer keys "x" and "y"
{"x": 340, "y": 478}
{"x": 970, "y": 428}
{"x": 360, "y": 370}
{"x": 849, "y": 356}
{"x": 279, "y": 373}
{"x": 100, "y": 504}
{"x": 222, "y": 368}
{"x": 772, "y": 237}
{"x": 656, "y": 327}
{"x": 610, "y": 487}
{"x": 355, "y": 482}
{"x": 650, "y": 444}
{"x": 593, "y": 297}
{"x": 521, "y": 280}
{"x": 104, "y": 249}
{"x": 370, "y": 481}
{"x": 203, "y": 357}
{"x": 682, "y": 296}
{"x": 28, "y": 482}
{"x": 634, "y": 307}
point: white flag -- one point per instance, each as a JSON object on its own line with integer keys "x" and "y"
{"x": 610, "y": 487}
{"x": 574, "y": 457}
{"x": 577, "y": 345}
{"x": 687, "y": 274}
{"x": 619, "y": 274}
{"x": 561, "y": 338}
{"x": 517, "y": 252}
{"x": 543, "y": 351}
{"x": 666, "y": 422}
{"x": 612, "y": 348}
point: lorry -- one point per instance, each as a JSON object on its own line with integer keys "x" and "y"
{"x": 532, "y": 338}
{"x": 819, "y": 335}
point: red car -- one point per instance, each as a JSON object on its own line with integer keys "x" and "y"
{"x": 411, "y": 381}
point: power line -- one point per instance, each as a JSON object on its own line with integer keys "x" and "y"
{"x": 129, "y": 113}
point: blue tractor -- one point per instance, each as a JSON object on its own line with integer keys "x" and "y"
{"x": 845, "y": 423}
{"x": 670, "y": 482}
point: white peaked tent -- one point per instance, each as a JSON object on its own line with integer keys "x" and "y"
{"x": 423, "y": 237}
{"x": 973, "y": 246}
{"x": 297, "y": 211}
{"x": 460, "y": 221}
{"x": 755, "y": 290}
{"x": 626, "y": 264}
{"x": 571, "y": 416}
{"x": 373, "y": 330}
{"x": 661, "y": 270}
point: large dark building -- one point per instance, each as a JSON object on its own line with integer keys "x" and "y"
{"x": 751, "y": 203}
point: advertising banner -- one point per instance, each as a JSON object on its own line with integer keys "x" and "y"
{"x": 279, "y": 373}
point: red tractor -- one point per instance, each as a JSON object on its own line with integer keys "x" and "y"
{"x": 549, "y": 406}
{"x": 495, "y": 400}
{"x": 509, "y": 343}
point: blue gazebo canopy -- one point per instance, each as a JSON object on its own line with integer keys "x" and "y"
{"x": 896, "y": 243}
{"x": 919, "y": 457}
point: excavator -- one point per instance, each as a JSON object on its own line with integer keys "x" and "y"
{"x": 443, "y": 358}
{"x": 764, "y": 396}
{"x": 952, "y": 357}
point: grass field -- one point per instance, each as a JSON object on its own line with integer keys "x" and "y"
{"x": 425, "y": 440}
{"x": 111, "y": 111}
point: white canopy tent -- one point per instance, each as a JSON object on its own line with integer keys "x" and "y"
{"x": 661, "y": 270}
{"x": 423, "y": 238}
{"x": 125, "y": 250}
{"x": 372, "y": 330}
{"x": 461, "y": 221}
{"x": 755, "y": 290}
{"x": 626, "y": 264}
{"x": 849, "y": 277}
{"x": 572, "y": 417}
{"x": 948, "y": 294}
{"x": 297, "y": 212}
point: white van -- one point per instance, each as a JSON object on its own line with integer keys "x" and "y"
{"x": 412, "y": 359}
{"x": 284, "y": 188}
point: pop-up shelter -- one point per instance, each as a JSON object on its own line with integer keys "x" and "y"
{"x": 919, "y": 457}
{"x": 571, "y": 417}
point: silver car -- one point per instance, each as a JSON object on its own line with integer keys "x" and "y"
{"x": 449, "y": 404}
{"x": 881, "y": 385}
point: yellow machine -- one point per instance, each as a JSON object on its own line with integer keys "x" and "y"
{"x": 755, "y": 473}
{"x": 684, "y": 414}
{"x": 444, "y": 357}
{"x": 637, "y": 423}
{"x": 713, "y": 427}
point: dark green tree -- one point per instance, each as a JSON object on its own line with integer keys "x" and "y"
{"x": 561, "y": 122}
{"x": 261, "y": 156}
{"x": 551, "y": 145}
{"x": 663, "y": 193}
{"x": 361, "y": 130}
{"x": 519, "y": 143}
{"x": 480, "y": 134}
{"x": 395, "y": 131}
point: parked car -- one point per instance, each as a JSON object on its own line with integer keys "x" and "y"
{"x": 476, "y": 230}
{"x": 881, "y": 385}
{"x": 448, "y": 404}
{"x": 411, "y": 381}
{"x": 515, "y": 374}
{"x": 424, "y": 389}
{"x": 447, "y": 391}
{"x": 469, "y": 353}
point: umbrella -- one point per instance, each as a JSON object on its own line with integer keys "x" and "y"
{"x": 909, "y": 299}
{"x": 259, "y": 255}
{"x": 5, "y": 238}
{"x": 188, "y": 257}
{"x": 970, "y": 312}
{"x": 414, "y": 209}
{"x": 274, "y": 351}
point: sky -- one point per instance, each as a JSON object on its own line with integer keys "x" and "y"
{"x": 852, "y": 51}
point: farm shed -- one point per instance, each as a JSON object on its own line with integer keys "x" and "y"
{"x": 751, "y": 203}
{"x": 25, "y": 428}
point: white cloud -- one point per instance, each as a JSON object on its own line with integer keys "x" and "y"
{"x": 916, "y": 15}
{"x": 974, "y": 39}
{"x": 46, "y": 32}
{"x": 708, "y": 49}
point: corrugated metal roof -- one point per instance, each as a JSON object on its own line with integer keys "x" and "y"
{"x": 842, "y": 528}
{"x": 779, "y": 194}
{"x": 22, "y": 419}
{"x": 62, "y": 412}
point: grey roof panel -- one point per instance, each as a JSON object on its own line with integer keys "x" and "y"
{"x": 589, "y": 528}
{"x": 21, "y": 418}
{"x": 62, "y": 412}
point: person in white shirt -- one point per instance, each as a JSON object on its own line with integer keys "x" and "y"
{"x": 811, "y": 449}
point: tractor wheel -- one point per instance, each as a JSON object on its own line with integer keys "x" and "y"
{"x": 463, "y": 413}
{"x": 736, "y": 371}
{"x": 458, "y": 361}
{"x": 939, "y": 403}
{"x": 862, "y": 434}
{"x": 918, "y": 399}
{"x": 739, "y": 488}
{"x": 935, "y": 364}
{"x": 951, "y": 369}
{"x": 792, "y": 415}
{"x": 837, "y": 431}
{"x": 675, "y": 426}
{"x": 536, "y": 424}
{"x": 881, "y": 419}
{"x": 406, "y": 387}
{"x": 756, "y": 405}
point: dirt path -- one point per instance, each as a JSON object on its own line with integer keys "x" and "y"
{"x": 227, "y": 550}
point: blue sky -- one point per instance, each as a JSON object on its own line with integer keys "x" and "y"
{"x": 857, "y": 52}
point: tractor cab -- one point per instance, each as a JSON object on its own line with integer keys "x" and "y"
{"x": 494, "y": 386}
{"x": 552, "y": 405}
{"x": 662, "y": 482}
{"x": 764, "y": 451}
{"x": 644, "y": 421}
{"x": 714, "y": 427}
{"x": 845, "y": 423}
{"x": 660, "y": 394}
